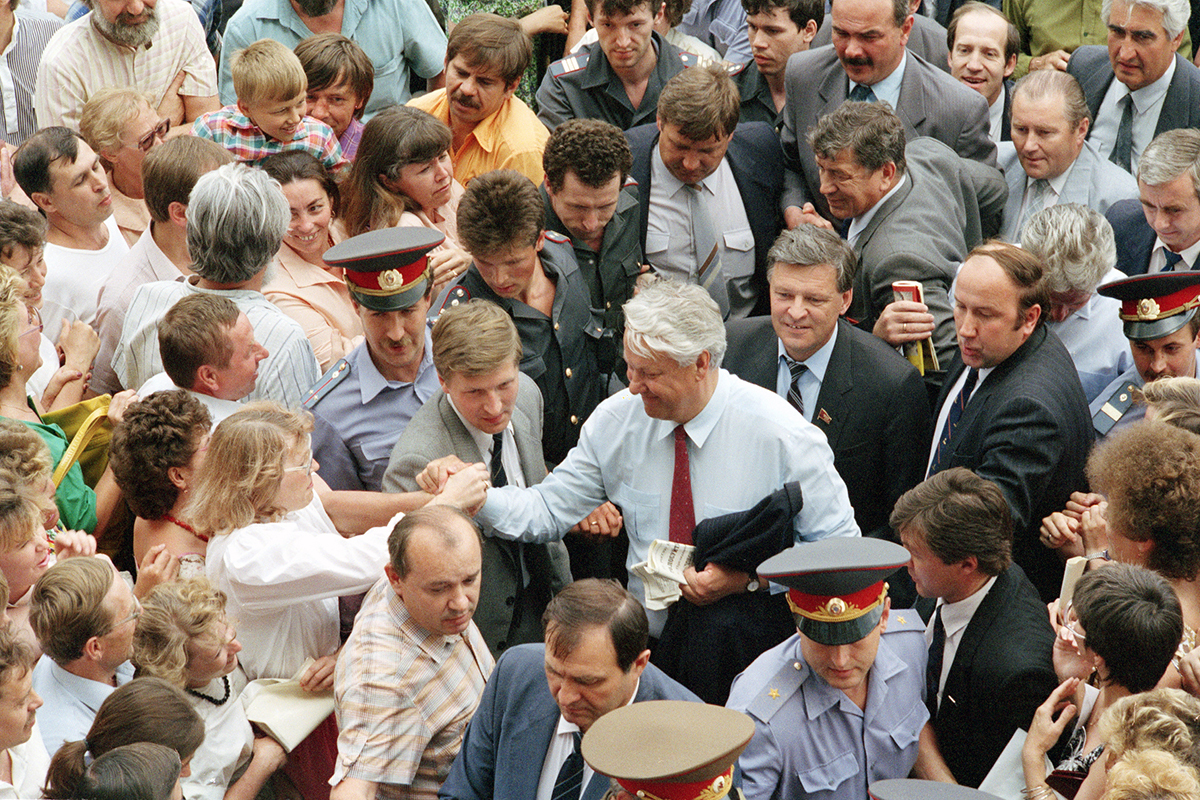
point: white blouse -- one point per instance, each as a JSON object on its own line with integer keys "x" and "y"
{"x": 228, "y": 740}
{"x": 283, "y": 579}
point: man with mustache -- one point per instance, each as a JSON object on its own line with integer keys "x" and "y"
{"x": 1163, "y": 329}
{"x": 411, "y": 674}
{"x": 492, "y": 128}
{"x": 154, "y": 46}
{"x": 401, "y": 37}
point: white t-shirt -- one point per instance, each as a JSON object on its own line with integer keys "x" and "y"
{"x": 74, "y": 277}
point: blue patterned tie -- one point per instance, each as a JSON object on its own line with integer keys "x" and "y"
{"x": 956, "y": 411}
{"x": 861, "y": 93}
{"x": 569, "y": 783}
{"x": 794, "y": 397}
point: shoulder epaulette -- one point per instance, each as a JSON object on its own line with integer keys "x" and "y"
{"x": 572, "y": 63}
{"x": 337, "y": 373}
{"x": 905, "y": 619}
{"x": 736, "y": 69}
{"x": 772, "y": 697}
{"x": 555, "y": 236}
{"x": 1114, "y": 408}
{"x": 630, "y": 183}
{"x": 457, "y": 294}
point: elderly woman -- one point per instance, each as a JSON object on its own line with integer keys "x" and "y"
{"x": 403, "y": 177}
{"x": 80, "y": 506}
{"x": 22, "y": 242}
{"x": 277, "y": 556}
{"x": 1122, "y": 627}
{"x": 308, "y": 291}
{"x": 121, "y": 125}
{"x": 143, "y": 710}
{"x": 184, "y": 638}
{"x": 155, "y": 453}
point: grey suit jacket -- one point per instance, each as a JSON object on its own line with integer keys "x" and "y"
{"x": 1180, "y": 108}
{"x": 927, "y": 39}
{"x": 1092, "y": 181}
{"x": 508, "y": 612}
{"x": 924, "y": 231}
{"x": 931, "y": 104}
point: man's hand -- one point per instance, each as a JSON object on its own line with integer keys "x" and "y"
{"x": 606, "y": 520}
{"x": 547, "y": 19}
{"x": 712, "y": 583}
{"x": 319, "y": 675}
{"x": 78, "y": 344}
{"x": 158, "y": 566}
{"x": 465, "y": 489}
{"x": 904, "y": 321}
{"x": 1055, "y": 60}
{"x": 353, "y": 789}
{"x": 171, "y": 106}
{"x": 1058, "y": 530}
{"x": 433, "y": 478}
{"x": 794, "y": 216}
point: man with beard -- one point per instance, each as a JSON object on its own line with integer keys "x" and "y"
{"x": 154, "y": 46}
{"x": 401, "y": 37}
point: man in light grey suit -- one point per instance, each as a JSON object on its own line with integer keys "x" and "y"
{"x": 868, "y": 61}
{"x": 914, "y": 212}
{"x": 1049, "y": 160}
{"x": 1142, "y": 39}
{"x": 488, "y": 411}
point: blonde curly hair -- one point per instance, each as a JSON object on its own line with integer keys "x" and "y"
{"x": 174, "y": 615}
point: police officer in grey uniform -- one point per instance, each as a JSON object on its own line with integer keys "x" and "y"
{"x": 587, "y": 163}
{"x": 362, "y": 404}
{"x": 1159, "y": 312}
{"x": 839, "y": 705}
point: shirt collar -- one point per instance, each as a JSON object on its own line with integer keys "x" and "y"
{"x": 860, "y": 223}
{"x": 1147, "y": 96}
{"x": 888, "y": 89}
{"x": 435, "y": 645}
{"x": 483, "y": 440}
{"x": 818, "y": 362}
{"x": 956, "y": 616}
{"x": 700, "y": 426}
{"x": 371, "y": 381}
{"x": 1057, "y": 183}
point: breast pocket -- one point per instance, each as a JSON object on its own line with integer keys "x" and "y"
{"x": 740, "y": 240}
{"x": 829, "y": 776}
{"x": 657, "y": 243}
{"x": 640, "y": 509}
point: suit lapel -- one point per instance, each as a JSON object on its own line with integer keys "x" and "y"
{"x": 1079, "y": 181}
{"x": 837, "y": 382}
{"x": 889, "y": 205}
{"x": 1175, "y": 105}
{"x": 1016, "y": 192}
{"x": 975, "y": 634}
{"x": 912, "y": 97}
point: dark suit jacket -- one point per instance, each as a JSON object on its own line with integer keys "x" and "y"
{"x": 508, "y": 613}
{"x": 1001, "y": 673}
{"x": 506, "y": 741}
{"x": 1006, "y": 125}
{"x": 1027, "y": 428}
{"x": 931, "y": 104}
{"x": 1135, "y": 238}
{"x": 924, "y": 231}
{"x": 757, "y": 164}
{"x": 876, "y": 409}
{"x": 1180, "y": 109}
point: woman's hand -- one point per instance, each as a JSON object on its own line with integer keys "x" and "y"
{"x": 78, "y": 344}
{"x": 158, "y": 566}
{"x": 319, "y": 675}
{"x": 1048, "y": 723}
{"x": 120, "y": 402}
{"x": 448, "y": 263}
{"x": 74, "y": 543}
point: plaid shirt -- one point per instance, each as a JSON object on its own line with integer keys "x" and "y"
{"x": 404, "y": 697}
{"x": 351, "y": 138}
{"x": 234, "y": 131}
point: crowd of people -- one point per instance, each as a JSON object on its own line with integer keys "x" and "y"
{"x": 615, "y": 398}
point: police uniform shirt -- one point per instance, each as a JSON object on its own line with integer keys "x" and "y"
{"x": 669, "y": 244}
{"x": 813, "y": 741}
{"x": 357, "y": 420}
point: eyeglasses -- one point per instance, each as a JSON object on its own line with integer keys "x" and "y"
{"x": 133, "y": 617}
{"x": 160, "y": 132}
{"x": 306, "y": 467}
{"x": 35, "y": 319}
{"x": 1069, "y": 634}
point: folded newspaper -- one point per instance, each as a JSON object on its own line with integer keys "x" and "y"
{"x": 283, "y": 710}
{"x": 662, "y": 572}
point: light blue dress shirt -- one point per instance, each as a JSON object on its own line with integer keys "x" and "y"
{"x": 721, "y": 24}
{"x": 813, "y": 377}
{"x": 69, "y": 702}
{"x": 1095, "y": 337}
{"x": 812, "y": 741}
{"x": 746, "y": 443}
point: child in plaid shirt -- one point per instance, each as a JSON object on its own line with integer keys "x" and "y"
{"x": 269, "y": 116}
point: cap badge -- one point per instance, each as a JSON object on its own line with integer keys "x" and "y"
{"x": 1147, "y": 308}
{"x": 835, "y": 607}
{"x": 390, "y": 279}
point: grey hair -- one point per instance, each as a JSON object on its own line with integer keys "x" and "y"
{"x": 870, "y": 130}
{"x": 236, "y": 219}
{"x": 1170, "y": 155}
{"x": 1075, "y": 243}
{"x": 679, "y": 320}
{"x": 1175, "y": 13}
{"x": 808, "y": 246}
{"x": 1052, "y": 83}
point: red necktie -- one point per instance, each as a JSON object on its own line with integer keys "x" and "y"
{"x": 683, "y": 514}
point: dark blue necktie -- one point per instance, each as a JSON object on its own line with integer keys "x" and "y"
{"x": 569, "y": 783}
{"x": 956, "y": 411}
{"x": 1173, "y": 260}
